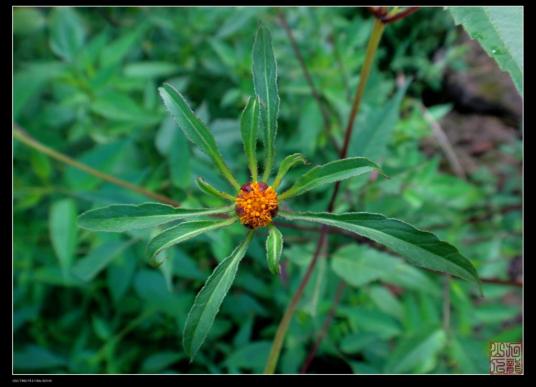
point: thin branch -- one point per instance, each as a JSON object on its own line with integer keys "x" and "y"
{"x": 289, "y": 312}
{"x": 444, "y": 143}
{"x": 374, "y": 40}
{"x": 26, "y": 139}
{"x": 327, "y": 322}
{"x": 308, "y": 77}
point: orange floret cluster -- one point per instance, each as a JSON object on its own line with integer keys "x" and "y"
{"x": 256, "y": 204}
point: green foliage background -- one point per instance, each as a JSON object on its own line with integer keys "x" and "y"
{"x": 85, "y": 83}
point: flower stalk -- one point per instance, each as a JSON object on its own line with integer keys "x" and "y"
{"x": 374, "y": 40}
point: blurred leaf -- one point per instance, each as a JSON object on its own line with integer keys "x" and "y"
{"x": 374, "y": 321}
{"x": 30, "y": 81}
{"x": 356, "y": 342}
{"x": 179, "y": 160}
{"x": 67, "y": 33}
{"x": 184, "y": 266}
{"x": 386, "y": 301}
{"x": 208, "y": 300}
{"x": 119, "y": 275}
{"x": 119, "y": 106}
{"x": 63, "y": 231}
{"x": 374, "y": 131}
{"x": 415, "y": 351}
{"x": 27, "y": 21}
{"x": 41, "y": 165}
{"x": 274, "y": 247}
{"x": 105, "y": 158}
{"x": 124, "y": 217}
{"x": 329, "y": 173}
{"x": 114, "y": 52}
{"x": 418, "y": 247}
{"x": 495, "y": 313}
{"x": 251, "y": 356}
{"x": 98, "y": 259}
{"x": 150, "y": 69}
{"x": 500, "y": 32}
{"x": 309, "y": 126}
{"x": 160, "y": 361}
{"x": 34, "y": 357}
{"x": 181, "y": 233}
{"x": 265, "y": 85}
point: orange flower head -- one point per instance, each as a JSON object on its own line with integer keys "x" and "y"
{"x": 256, "y": 204}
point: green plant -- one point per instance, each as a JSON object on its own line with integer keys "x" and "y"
{"x": 256, "y": 203}
{"x": 89, "y": 131}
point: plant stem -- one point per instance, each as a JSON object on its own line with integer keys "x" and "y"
{"x": 285, "y": 321}
{"x": 26, "y": 139}
{"x": 374, "y": 40}
{"x": 308, "y": 77}
{"x": 327, "y": 322}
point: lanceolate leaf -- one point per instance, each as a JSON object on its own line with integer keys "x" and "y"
{"x": 124, "y": 217}
{"x": 329, "y": 173}
{"x": 500, "y": 32}
{"x": 265, "y": 84}
{"x": 211, "y": 190}
{"x": 181, "y": 233}
{"x": 63, "y": 232}
{"x": 287, "y": 163}
{"x": 248, "y": 128}
{"x": 274, "y": 247}
{"x": 194, "y": 129}
{"x": 208, "y": 301}
{"x": 419, "y": 247}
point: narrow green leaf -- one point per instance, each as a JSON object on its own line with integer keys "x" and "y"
{"x": 265, "y": 84}
{"x": 208, "y": 301}
{"x": 274, "y": 247}
{"x": 181, "y": 233}
{"x": 124, "y": 217}
{"x": 376, "y": 127}
{"x": 63, "y": 231}
{"x": 67, "y": 33}
{"x": 500, "y": 32}
{"x": 179, "y": 162}
{"x": 92, "y": 264}
{"x": 249, "y": 122}
{"x": 419, "y": 247}
{"x": 329, "y": 173}
{"x": 211, "y": 190}
{"x": 287, "y": 163}
{"x": 416, "y": 353}
{"x": 194, "y": 129}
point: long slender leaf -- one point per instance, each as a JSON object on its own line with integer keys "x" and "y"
{"x": 88, "y": 267}
{"x": 274, "y": 247}
{"x": 265, "y": 84}
{"x": 63, "y": 233}
{"x": 194, "y": 129}
{"x": 500, "y": 32}
{"x": 419, "y": 247}
{"x": 207, "y": 188}
{"x": 181, "y": 233}
{"x": 123, "y": 217}
{"x": 328, "y": 173}
{"x": 249, "y": 121}
{"x": 287, "y": 163}
{"x": 208, "y": 301}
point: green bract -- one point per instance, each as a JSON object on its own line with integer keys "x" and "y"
{"x": 260, "y": 114}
